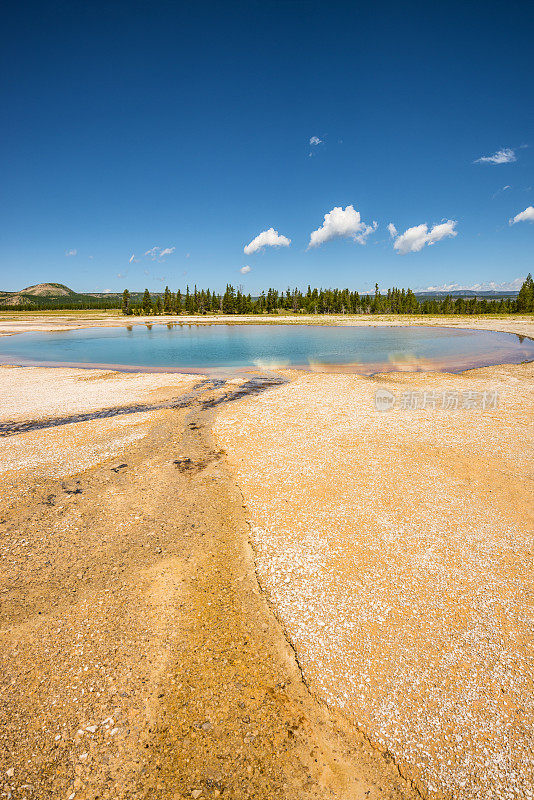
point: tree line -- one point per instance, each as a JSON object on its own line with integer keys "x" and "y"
{"x": 320, "y": 301}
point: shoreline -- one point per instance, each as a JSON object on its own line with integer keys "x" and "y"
{"x": 11, "y": 324}
{"x": 522, "y": 326}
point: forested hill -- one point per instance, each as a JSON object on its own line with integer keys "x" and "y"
{"x": 50, "y": 296}
{"x": 57, "y": 296}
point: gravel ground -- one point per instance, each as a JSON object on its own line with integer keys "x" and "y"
{"x": 397, "y": 549}
{"x": 138, "y": 656}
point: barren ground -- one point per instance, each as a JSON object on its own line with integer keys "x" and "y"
{"x": 397, "y": 549}
{"x": 139, "y": 657}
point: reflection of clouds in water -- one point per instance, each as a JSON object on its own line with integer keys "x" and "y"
{"x": 409, "y": 362}
{"x": 266, "y": 363}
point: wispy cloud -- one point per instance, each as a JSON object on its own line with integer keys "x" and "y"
{"x": 245, "y": 270}
{"x": 500, "y": 191}
{"x": 524, "y": 216}
{"x": 504, "y": 156}
{"x": 392, "y": 230}
{"x": 314, "y": 142}
{"x": 268, "y": 238}
{"x": 159, "y": 253}
{"x": 167, "y": 252}
{"x": 414, "y": 239}
{"x": 342, "y": 222}
{"x": 72, "y": 252}
{"x": 132, "y": 259}
{"x": 121, "y": 275}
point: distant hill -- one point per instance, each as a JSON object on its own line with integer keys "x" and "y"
{"x": 489, "y": 294}
{"x": 44, "y": 296}
{"x": 48, "y": 290}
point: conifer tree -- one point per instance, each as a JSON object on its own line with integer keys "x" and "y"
{"x": 167, "y": 301}
{"x": 126, "y": 302}
{"x": 525, "y": 298}
{"x": 147, "y": 302}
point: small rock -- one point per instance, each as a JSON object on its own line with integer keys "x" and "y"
{"x": 206, "y": 726}
{"x": 196, "y": 793}
{"x": 10, "y": 772}
{"x": 91, "y": 728}
{"x": 83, "y": 756}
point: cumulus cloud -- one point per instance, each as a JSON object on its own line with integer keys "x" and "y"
{"x": 414, "y": 239}
{"x": 392, "y": 230}
{"x": 524, "y": 216}
{"x": 269, "y": 238}
{"x": 73, "y": 252}
{"x": 342, "y": 222}
{"x": 504, "y": 156}
{"x": 314, "y": 141}
{"x": 159, "y": 253}
{"x": 245, "y": 270}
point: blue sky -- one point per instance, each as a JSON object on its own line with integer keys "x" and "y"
{"x": 186, "y": 127}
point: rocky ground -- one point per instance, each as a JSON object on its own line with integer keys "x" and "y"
{"x": 397, "y": 548}
{"x": 139, "y": 656}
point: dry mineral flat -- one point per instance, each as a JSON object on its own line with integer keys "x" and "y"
{"x": 396, "y": 547}
{"x": 138, "y": 656}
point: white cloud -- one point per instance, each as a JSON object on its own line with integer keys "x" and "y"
{"x": 524, "y": 216}
{"x": 245, "y": 270}
{"x": 414, "y": 239}
{"x": 314, "y": 141}
{"x": 342, "y": 222}
{"x": 392, "y": 230}
{"x": 504, "y": 156}
{"x": 269, "y": 238}
{"x": 121, "y": 275}
{"x": 159, "y": 253}
{"x": 73, "y": 252}
{"x": 132, "y": 258}
{"x": 167, "y": 252}
{"x": 500, "y": 191}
